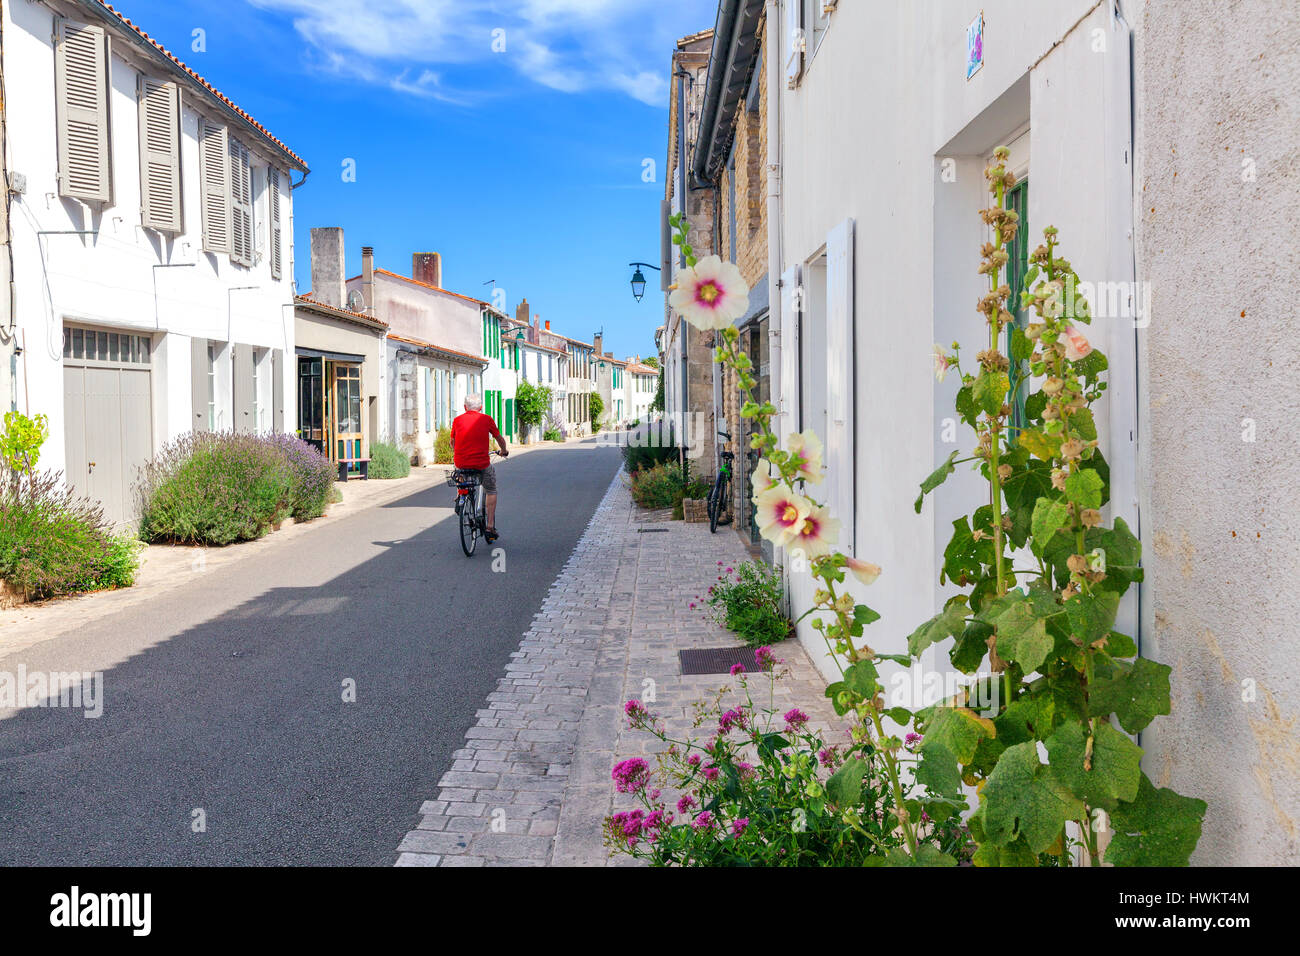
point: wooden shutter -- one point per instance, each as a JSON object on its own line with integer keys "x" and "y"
{"x": 428, "y": 400}
{"x": 273, "y": 188}
{"x": 81, "y": 111}
{"x": 791, "y": 316}
{"x": 160, "y": 157}
{"x": 795, "y": 38}
{"x": 242, "y": 359}
{"x": 241, "y": 204}
{"x": 839, "y": 377}
{"x": 277, "y": 390}
{"x": 214, "y": 176}
{"x": 199, "y": 383}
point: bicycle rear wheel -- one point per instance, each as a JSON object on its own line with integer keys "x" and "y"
{"x": 716, "y": 497}
{"x": 468, "y": 527}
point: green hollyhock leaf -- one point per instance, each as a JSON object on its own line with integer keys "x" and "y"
{"x": 1136, "y": 693}
{"x": 902, "y": 659}
{"x": 938, "y": 771}
{"x": 1021, "y": 491}
{"x": 1021, "y": 346}
{"x": 1050, "y": 515}
{"x": 1018, "y": 803}
{"x": 1110, "y": 773}
{"x": 1091, "y": 366}
{"x": 1158, "y": 828}
{"x": 1022, "y": 637}
{"x": 964, "y": 557}
{"x": 990, "y": 391}
{"x": 958, "y": 729}
{"x": 965, "y": 405}
{"x": 1040, "y": 444}
{"x": 968, "y": 652}
{"x": 1120, "y": 645}
{"x": 1083, "y": 424}
{"x": 899, "y": 715}
{"x": 1083, "y": 488}
{"x": 949, "y": 622}
{"x": 1034, "y": 406}
{"x": 845, "y": 785}
{"x": 929, "y": 855}
{"x": 1025, "y": 719}
{"x": 935, "y": 479}
{"x": 1014, "y": 854}
{"x": 1063, "y": 646}
{"x": 1123, "y": 553}
{"x": 862, "y": 679}
{"x": 1092, "y": 615}
{"x": 862, "y": 616}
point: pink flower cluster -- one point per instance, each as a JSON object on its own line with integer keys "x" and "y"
{"x": 732, "y": 719}
{"x": 631, "y": 775}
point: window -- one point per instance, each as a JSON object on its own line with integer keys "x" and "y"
{"x": 816, "y": 20}
{"x": 160, "y": 157}
{"x": 91, "y": 346}
{"x": 81, "y": 69}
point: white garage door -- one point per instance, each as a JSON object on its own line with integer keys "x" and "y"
{"x": 108, "y": 415}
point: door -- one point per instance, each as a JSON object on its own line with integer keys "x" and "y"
{"x": 108, "y": 416}
{"x": 347, "y": 413}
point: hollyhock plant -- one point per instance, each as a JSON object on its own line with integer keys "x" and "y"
{"x": 1077, "y": 346}
{"x": 864, "y": 571}
{"x": 711, "y": 294}
{"x": 819, "y": 533}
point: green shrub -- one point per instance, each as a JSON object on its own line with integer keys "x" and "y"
{"x": 531, "y": 404}
{"x": 596, "y": 406}
{"x": 217, "y": 489}
{"x": 442, "y": 447}
{"x": 312, "y": 475}
{"x": 52, "y": 543}
{"x": 388, "y": 461}
{"x": 649, "y": 446}
{"x": 553, "y": 434}
{"x": 747, "y": 601}
{"x": 664, "y": 486}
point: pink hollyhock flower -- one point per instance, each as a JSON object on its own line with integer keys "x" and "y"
{"x": 941, "y": 363}
{"x": 807, "y": 448}
{"x": 710, "y": 295}
{"x": 864, "y": 571}
{"x": 761, "y": 480}
{"x": 780, "y": 514}
{"x": 1076, "y": 344}
{"x": 631, "y": 775}
{"x": 819, "y": 533}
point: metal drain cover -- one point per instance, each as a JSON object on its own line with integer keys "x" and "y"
{"x": 716, "y": 660}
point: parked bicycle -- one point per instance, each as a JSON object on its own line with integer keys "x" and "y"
{"x": 720, "y": 496}
{"x": 471, "y": 507}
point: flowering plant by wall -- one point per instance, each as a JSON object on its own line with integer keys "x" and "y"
{"x": 1072, "y": 687}
{"x": 764, "y": 789}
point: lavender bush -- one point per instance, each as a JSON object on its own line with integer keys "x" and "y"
{"x": 222, "y": 487}
{"x": 53, "y": 543}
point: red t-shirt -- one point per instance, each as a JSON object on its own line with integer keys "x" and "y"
{"x": 469, "y": 435}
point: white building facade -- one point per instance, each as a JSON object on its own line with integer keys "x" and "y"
{"x": 151, "y": 234}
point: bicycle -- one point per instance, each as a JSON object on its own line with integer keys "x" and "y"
{"x": 471, "y": 507}
{"x": 720, "y": 495}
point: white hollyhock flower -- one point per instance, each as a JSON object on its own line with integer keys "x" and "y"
{"x": 711, "y": 295}
{"x": 780, "y": 513}
{"x": 807, "y": 447}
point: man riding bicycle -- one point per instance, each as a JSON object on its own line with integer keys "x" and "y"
{"x": 470, "y": 453}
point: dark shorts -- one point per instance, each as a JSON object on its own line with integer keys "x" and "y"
{"x": 487, "y": 476}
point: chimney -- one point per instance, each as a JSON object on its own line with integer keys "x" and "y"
{"x": 596, "y": 340}
{"x": 426, "y": 267}
{"x": 368, "y": 278}
{"x": 548, "y": 324}
{"x": 328, "y": 278}
{"x": 521, "y": 312}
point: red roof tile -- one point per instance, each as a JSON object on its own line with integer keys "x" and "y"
{"x": 206, "y": 85}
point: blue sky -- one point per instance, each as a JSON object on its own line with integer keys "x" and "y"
{"x": 522, "y": 166}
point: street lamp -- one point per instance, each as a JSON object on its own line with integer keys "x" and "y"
{"x": 638, "y": 278}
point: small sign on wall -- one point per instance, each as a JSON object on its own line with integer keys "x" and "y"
{"x": 975, "y": 46}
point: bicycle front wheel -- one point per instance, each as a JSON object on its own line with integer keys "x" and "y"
{"x": 468, "y": 529}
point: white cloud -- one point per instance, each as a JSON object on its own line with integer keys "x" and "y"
{"x": 567, "y": 45}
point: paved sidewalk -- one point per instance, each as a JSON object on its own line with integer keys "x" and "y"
{"x": 532, "y": 786}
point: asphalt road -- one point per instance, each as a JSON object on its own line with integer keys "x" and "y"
{"x": 224, "y": 698}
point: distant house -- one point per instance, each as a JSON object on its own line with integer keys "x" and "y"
{"x": 148, "y": 225}
{"x": 642, "y": 381}
{"x": 437, "y": 349}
